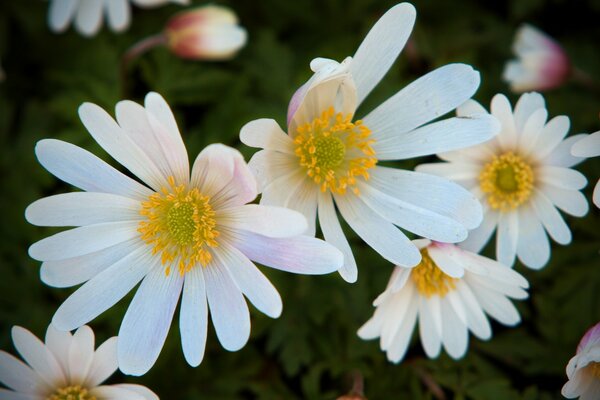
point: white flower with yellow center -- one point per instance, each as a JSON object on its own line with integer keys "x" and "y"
{"x": 180, "y": 233}
{"x": 589, "y": 146}
{"x": 521, "y": 177}
{"x": 66, "y": 367}
{"x": 87, "y": 15}
{"x": 328, "y": 156}
{"x": 583, "y": 370}
{"x": 449, "y": 292}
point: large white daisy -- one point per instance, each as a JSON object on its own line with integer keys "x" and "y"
{"x": 328, "y": 157}
{"x": 180, "y": 233}
{"x": 87, "y": 14}
{"x": 65, "y": 367}
{"x": 449, "y": 292}
{"x": 521, "y": 177}
{"x": 589, "y": 146}
{"x": 583, "y": 370}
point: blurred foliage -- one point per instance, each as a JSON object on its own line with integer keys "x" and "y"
{"x": 312, "y": 349}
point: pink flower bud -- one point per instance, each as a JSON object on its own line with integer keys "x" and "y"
{"x": 205, "y": 33}
{"x": 542, "y": 63}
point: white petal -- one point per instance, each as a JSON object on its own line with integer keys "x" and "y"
{"x": 401, "y": 340}
{"x": 427, "y": 98}
{"x": 38, "y": 356}
{"x": 565, "y": 178}
{"x": 476, "y": 319}
{"x": 588, "y": 146}
{"x": 61, "y": 13}
{"x": 147, "y": 321}
{"x": 104, "y": 290}
{"x": 446, "y": 258}
{"x": 10, "y": 395}
{"x": 445, "y": 135}
{"x": 268, "y": 166}
{"x": 455, "y": 171}
{"x": 501, "y": 109}
{"x": 553, "y": 133}
{"x": 454, "y": 332}
{"x": 507, "y": 238}
{"x": 193, "y": 317}
{"x": 118, "y": 14}
{"x": 381, "y": 47}
{"x": 18, "y": 376}
{"x": 157, "y": 106}
{"x": 82, "y": 208}
{"x": 89, "y": 17}
{"x": 527, "y": 104}
{"x": 83, "y": 240}
{"x": 531, "y": 131}
{"x": 59, "y": 343}
{"x": 278, "y": 191}
{"x": 299, "y": 255}
{"x": 491, "y": 270}
{"x": 304, "y": 200}
{"x": 494, "y": 285}
{"x": 265, "y": 220}
{"x": 533, "y": 248}
{"x": 333, "y": 233}
{"x": 115, "y": 392}
{"x": 252, "y": 283}
{"x": 81, "y": 355}
{"x": 120, "y": 146}
{"x": 104, "y": 363}
{"x": 81, "y": 168}
{"x": 228, "y": 309}
{"x": 469, "y": 108}
{"x": 496, "y": 305}
{"x": 572, "y": 202}
{"x": 381, "y": 235}
{"x": 479, "y": 237}
{"x": 146, "y": 393}
{"x": 430, "y": 321}
{"x": 596, "y": 195}
{"x": 266, "y": 134}
{"x": 561, "y": 155}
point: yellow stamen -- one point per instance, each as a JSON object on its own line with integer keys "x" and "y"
{"x": 180, "y": 224}
{"x": 507, "y": 180}
{"x": 430, "y": 279}
{"x": 335, "y": 151}
{"x": 75, "y": 392}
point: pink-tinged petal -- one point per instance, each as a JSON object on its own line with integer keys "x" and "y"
{"x": 590, "y": 338}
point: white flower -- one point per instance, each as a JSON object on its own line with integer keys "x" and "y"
{"x": 194, "y": 235}
{"x": 521, "y": 176}
{"x": 87, "y": 14}
{"x": 541, "y": 65}
{"x": 589, "y": 146}
{"x": 583, "y": 370}
{"x": 328, "y": 156}
{"x": 449, "y": 292}
{"x": 65, "y": 367}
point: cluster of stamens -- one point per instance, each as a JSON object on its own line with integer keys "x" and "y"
{"x": 75, "y": 392}
{"x": 335, "y": 151}
{"x": 429, "y": 279}
{"x": 180, "y": 224}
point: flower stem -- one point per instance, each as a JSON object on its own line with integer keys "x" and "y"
{"x": 136, "y": 51}
{"x": 585, "y": 79}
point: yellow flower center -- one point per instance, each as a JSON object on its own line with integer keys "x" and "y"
{"x": 507, "y": 180}
{"x": 71, "y": 393}
{"x": 430, "y": 279}
{"x": 179, "y": 224}
{"x": 594, "y": 369}
{"x": 335, "y": 151}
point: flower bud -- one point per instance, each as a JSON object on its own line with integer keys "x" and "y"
{"x": 205, "y": 33}
{"x": 542, "y": 63}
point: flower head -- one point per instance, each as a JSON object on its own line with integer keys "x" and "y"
{"x": 87, "y": 15}
{"x": 328, "y": 156}
{"x": 521, "y": 177}
{"x": 179, "y": 234}
{"x": 449, "y": 292}
{"x": 205, "y": 33}
{"x": 541, "y": 65}
{"x": 589, "y": 146}
{"x": 583, "y": 370}
{"x": 66, "y": 367}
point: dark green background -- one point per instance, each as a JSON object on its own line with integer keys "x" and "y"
{"x": 310, "y": 350}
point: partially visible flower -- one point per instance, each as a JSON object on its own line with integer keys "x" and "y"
{"x": 583, "y": 370}
{"x": 205, "y": 33}
{"x": 449, "y": 293}
{"x": 330, "y": 158}
{"x": 542, "y": 63}
{"x": 87, "y": 15}
{"x": 65, "y": 367}
{"x": 521, "y": 177}
{"x": 188, "y": 234}
{"x": 589, "y": 147}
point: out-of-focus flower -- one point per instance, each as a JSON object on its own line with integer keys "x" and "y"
{"x": 65, "y": 367}
{"x": 449, "y": 293}
{"x": 179, "y": 233}
{"x": 330, "y": 156}
{"x": 205, "y": 33}
{"x": 542, "y": 63}
{"x": 583, "y": 370}
{"x": 87, "y": 15}
{"x": 589, "y": 147}
{"x": 521, "y": 176}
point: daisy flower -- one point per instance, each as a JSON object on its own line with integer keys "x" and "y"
{"x": 329, "y": 158}
{"x": 521, "y": 176}
{"x": 179, "y": 234}
{"x": 87, "y": 14}
{"x": 589, "y": 146}
{"x": 583, "y": 370}
{"x": 449, "y": 292}
{"x": 542, "y": 63}
{"x": 65, "y": 367}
